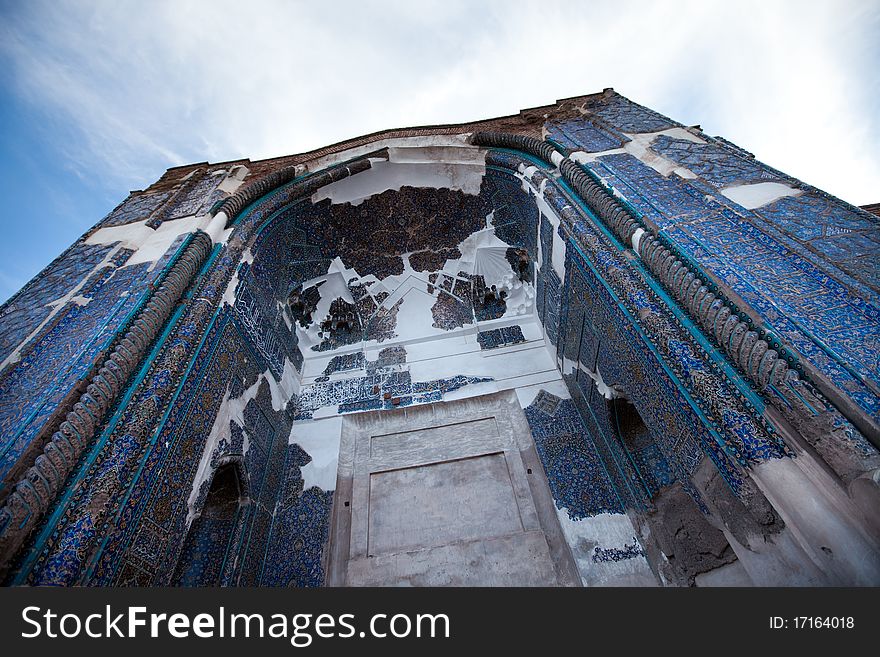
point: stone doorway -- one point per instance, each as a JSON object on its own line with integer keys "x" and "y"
{"x": 448, "y": 494}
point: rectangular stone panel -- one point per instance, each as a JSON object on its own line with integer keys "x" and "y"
{"x": 444, "y": 443}
{"x": 515, "y": 560}
{"x": 430, "y": 505}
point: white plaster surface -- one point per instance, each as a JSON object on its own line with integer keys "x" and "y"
{"x": 234, "y": 179}
{"x": 637, "y": 239}
{"x": 638, "y": 146}
{"x": 757, "y": 195}
{"x": 526, "y": 394}
{"x": 569, "y": 366}
{"x": 465, "y": 175}
{"x": 59, "y": 303}
{"x": 320, "y": 440}
{"x": 423, "y": 142}
{"x": 229, "y": 292}
{"x": 605, "y": 531}
{"x": 148, "y": 245}
{"x": 231, "y": 410}
{"x": 497, "y": 365}
{"x": 216, "y": 228}
{"x": 282, "y": 391}
{"x": 821, "y": 518}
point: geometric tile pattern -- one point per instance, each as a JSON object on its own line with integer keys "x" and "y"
{"x": 627, "y": 116}
{"x": 717, "y": 164}
{"x": 546, "y": 402}
{"x": 584, "y": 135}
{"x": 195, "y": 199}
{"x": 807, "y": 264}
{"x": 135, "y": 208}
{"x": 24, "y": 311}
{"x": 377, "y": 391}
{"x": 66, "y": 351}
{"x": 345, "y": 362}
{"x": 578, "y": 480}
{"x": 500, "y": 337}
{"x": 299, "y": 529}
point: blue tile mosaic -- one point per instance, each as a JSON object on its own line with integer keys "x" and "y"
{"x": 628, "y": 551}
{"x": 500, "y": 337}
{"x": 208, "y": 539}
{"x": 583, "y": 135}
{"x": 24, "y": 311}
{"x": 195, "y": 198}
{"x": 577, "y": 477}
{"x": 628, "y": 116}
{"x": 299, "y": 529}
{"x": 375, "y": 391}
{"x": 663, "y": 200}
{"x": 806, "y": 264}
{"x": 715, "y": 163}
{"x": 775, "y": 257}
{"x": 137, "y": 207}
{"x": 63, "y": 354}
{"x": 345, "y": 362}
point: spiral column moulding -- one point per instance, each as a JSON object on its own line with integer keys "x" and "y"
{"x": 34, "y": 493}
{"x": 757, "y": 352}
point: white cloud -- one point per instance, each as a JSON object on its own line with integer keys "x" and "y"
{"x": 150, "y": 85}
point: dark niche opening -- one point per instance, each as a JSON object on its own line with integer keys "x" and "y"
{"x": 206, "y": 549}
{"x": 640, "y": 445}
{"x": 628, "y": 423}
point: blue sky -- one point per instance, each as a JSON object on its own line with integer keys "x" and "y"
{"x": 99, "y": 98}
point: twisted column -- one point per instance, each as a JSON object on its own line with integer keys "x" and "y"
{"x": 756, "y": 351}
{"x": 35, "y": 491}
{"x": 732, "y": 329}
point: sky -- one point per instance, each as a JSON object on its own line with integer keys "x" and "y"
{"x": 98, "y": 98}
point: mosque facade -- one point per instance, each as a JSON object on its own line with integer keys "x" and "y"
{"x": 582, "y": 345}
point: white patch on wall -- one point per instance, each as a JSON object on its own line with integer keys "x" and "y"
{"x": 557, "y": 257}
{"x": 639, "y": 147}
{"x": 229, "y": 292}
{"x": 637, "y": 239}
{"x": 510, "y": 367}
{"x": 59, "y": 303}
{"x": 282, "y": 391}
{"x": 759, "y": 194}
{"x": 526, "y": 395}
{"x": 520, "y": 297}
{"x": 216, "y": 228}
{"x": 423, "y": 142}
{"x": 526, "y": 171}
{"x": 601, "y": 387}
{"x": 320, "y": 440}
{"x": 148, "y": 245}
{"x": 434, "y": 167}
{"x": 606, "y": 531}
{"x": 569, "y": 366}
{"x": 231, "y": 410}
{"x": 234, "y": 179}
